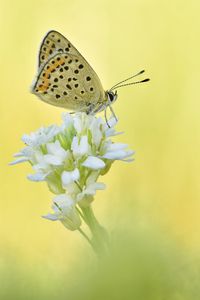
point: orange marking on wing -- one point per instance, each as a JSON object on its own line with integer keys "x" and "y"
{"x": 42, "y": 87}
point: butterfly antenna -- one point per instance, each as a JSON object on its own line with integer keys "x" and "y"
{"x": 116, "y": 85}
{"x": 135, "y": 82}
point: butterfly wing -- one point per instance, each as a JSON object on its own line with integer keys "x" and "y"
{"x": 68, "y": 81}
{"x": 65, "y": 78}
{"x": 55, "y": 42}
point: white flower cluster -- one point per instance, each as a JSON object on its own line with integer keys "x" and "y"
{"x": 70, "y": 158}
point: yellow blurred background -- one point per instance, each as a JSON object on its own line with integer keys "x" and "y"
{"x": 160, "y": 120}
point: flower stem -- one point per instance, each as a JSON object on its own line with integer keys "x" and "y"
{"x": 80, "y": 213}
{"x": 85, "y": 236}
{"x": 99, "y": 238}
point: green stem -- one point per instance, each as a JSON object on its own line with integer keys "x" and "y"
{"x": 99, "y": 235}
{"x": 80, "y": 213}
{"x": 85, "y": 236}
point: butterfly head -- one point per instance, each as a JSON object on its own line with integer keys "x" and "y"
{"x": 111, "y": 96}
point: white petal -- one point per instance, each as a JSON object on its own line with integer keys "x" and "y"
{"x": 63, "y": 201}
{"x": 69, "y": 177}
{"x": 97, "y": 137}
{"x": 51, "y": 217}
{"x": 39, "y": 157}
{"x": 78, "y": 124}
{"x": 95, "y": 130}
{"x": 84, "y": 145}
{"x": 18, "y": 161}
{"x": 53, "y": 130}
{"x": 91, "y": 189}
{"x": 74, "y": 146}
{"x": 116, "y": 146}
{"x": 128, "y": 160}
{"x": 80, "y": 148}
{"x": 66, "y": 212}
{"x": 19, "y": 154}
{"x": 53, "y": 160}
{"x": 72, "y": 188}
{"x": 112, "y": 132}
{"x": 42, "y": 166}
{"x": 100, "y": 186}
{"x": 27, "y": 139}
{"x": 120, "y": 154}
{"x": 68, "y": 119}
{"x": 56, "y": 149}
{"x": 37, "y": 177}
{"x": 41, "y": 136}
{"x": 94, "y": 163}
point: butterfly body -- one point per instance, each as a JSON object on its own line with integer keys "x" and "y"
{"x": 65, "y": 78}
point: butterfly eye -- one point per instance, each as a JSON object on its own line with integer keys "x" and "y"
{"x": 112, "y": 96}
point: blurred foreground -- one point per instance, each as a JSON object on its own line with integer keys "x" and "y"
{"x": 142, "y": 264}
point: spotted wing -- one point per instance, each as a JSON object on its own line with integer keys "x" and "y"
{"x": 68, "y": 81}
{"x": 54, "y": 42}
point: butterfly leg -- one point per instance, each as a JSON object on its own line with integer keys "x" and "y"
{"x": 105, "y": 115}
{"x": 113, "y": 113}
{"x": 98, "y": 108}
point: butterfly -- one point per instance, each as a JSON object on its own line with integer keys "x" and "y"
{"x": 66, "y": 79}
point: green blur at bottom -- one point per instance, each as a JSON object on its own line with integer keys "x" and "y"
{"x": 142, "y": 264}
